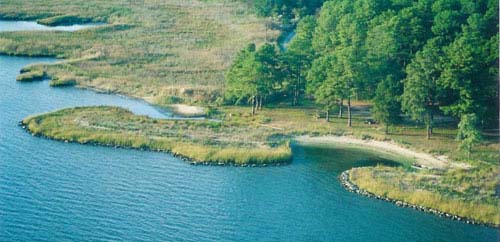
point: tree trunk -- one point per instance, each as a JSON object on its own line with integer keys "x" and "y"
{"x": 254, "y": 105}
{"x": 429, "y": 124}
{"x": 297, "y": 97}
{"x": 295, "y": 101}
{"x": 349, "y": 112}
{"x": 327, "y": 115}
{"x": 341, "y": 105}
{"x": 260, "y": 102}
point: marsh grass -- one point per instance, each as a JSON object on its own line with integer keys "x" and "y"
{"x": 197, "y": 140}
{"x": 466, "y": 193}
{"x": 153, "y": 50}
{"x": 62, "y": 20}
{"x": 36, "y": 75}
{"x": 63, "y": 81}
{"x": 241, "y": 138}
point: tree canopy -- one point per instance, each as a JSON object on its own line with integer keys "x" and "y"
{"x": 415, "y": 58}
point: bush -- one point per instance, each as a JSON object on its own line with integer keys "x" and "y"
{"x": 63, "y": 81}
{"x": 36, "y": 75}
{"x": 63, "y": 20}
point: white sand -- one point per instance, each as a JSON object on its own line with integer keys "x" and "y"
{"x": 187, "y": 110}
{"x": 423, "y": 159}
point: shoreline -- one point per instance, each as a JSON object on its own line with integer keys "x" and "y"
{"x": 351, "y": 187}
{"x": 422, "y": 159}
{"x": 195, "y": 153}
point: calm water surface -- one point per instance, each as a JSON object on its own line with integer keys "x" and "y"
{"x": 54, "y": 191}
{"x": 31, "y": 25}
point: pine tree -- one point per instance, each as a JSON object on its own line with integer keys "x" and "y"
{"x": 420, "y": 96}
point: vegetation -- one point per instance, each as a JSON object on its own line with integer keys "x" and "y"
{"x": 468, "y": 134}
{"x": 65, "y": 20}
{"x": 63, "y": 81}
{"x": 36, "y": 75}
{"x": 152, "y": 50}
{"x": 466, "y": 193}
{"x": 275, "y": 126}
{"x": 243, "y": 138}
{"x": 197, "y": 140}
{"x": 421, "y": 59}
{"x": 287, "y": 10}
{"x": 426, "y": 70}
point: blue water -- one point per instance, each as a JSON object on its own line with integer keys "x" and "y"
{"x": 55, "y": 191}
{"x": 31, "y": 25}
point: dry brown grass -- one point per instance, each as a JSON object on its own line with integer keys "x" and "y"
{"x": 150, "y": 49}
{"x": 460, "y": 192}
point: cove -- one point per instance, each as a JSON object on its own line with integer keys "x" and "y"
{"x": 53, "y": 191}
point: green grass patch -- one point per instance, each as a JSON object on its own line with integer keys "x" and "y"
{"x": 64, "y": 20}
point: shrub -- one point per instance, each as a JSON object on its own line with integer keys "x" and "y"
{"x": 36, "y": 75}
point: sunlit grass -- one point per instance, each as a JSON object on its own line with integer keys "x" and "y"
{"x": 197, "y": 140}
{"x": 152, "y": 50}
{"x": 467, "y": 193}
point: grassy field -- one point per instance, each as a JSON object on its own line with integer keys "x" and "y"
{"x": 150, "y": 49}
{"x": 466, "y": 193}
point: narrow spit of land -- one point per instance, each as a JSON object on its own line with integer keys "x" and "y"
{"x": 435, "y": 182}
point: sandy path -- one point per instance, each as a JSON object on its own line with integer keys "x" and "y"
{"x": 423, "y": 159}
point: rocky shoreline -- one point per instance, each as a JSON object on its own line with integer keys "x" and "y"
{"x": 351, "y": 187}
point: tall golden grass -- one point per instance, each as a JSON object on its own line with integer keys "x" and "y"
{"x": 398, "y": 184}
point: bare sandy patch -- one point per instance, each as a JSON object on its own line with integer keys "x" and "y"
{"x": 187, "y": 110}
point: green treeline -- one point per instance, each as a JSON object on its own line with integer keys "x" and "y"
{"x": 286, "y": 9}
{"x": 415, "y": 59}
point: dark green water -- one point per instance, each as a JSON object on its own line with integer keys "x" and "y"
{"x": 54, "y": 191}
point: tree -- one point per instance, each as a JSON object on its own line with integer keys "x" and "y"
{"x": 288, "y": 9}
{"x": 468, "y": 133}
{"x": 349, "y": 68}
{"x": 467, "y": 72}
{"x": 252, "y": 76}
{"x": 324, "y": 92}
{"x": 420, "y": 95}
{"x": 298, "y": 59}
{"x": 267, "y": 74}
{"x": 240, "y": 75}
{"x": 386, "y": 104}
